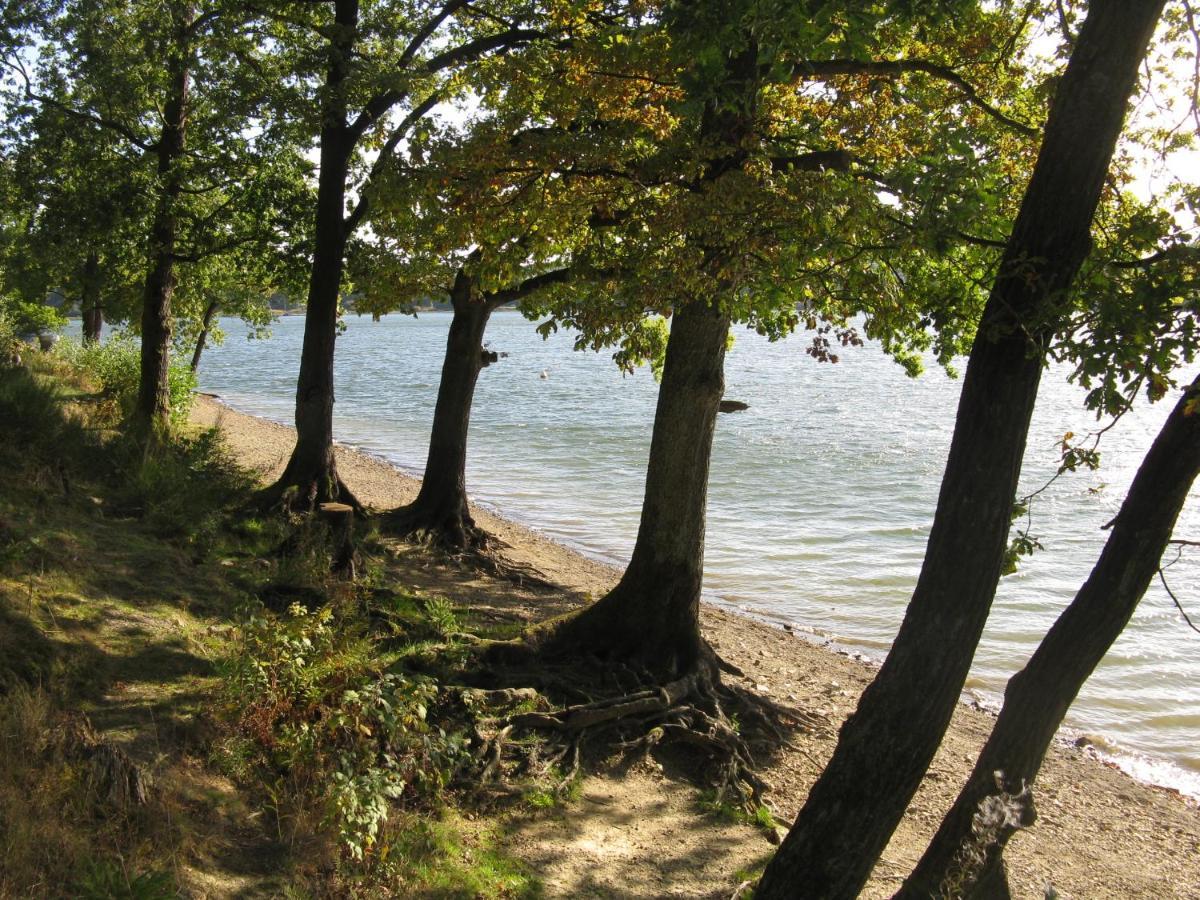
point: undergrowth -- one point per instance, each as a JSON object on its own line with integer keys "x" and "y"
{"x": 320, "y": 705}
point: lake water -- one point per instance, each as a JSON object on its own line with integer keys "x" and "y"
{"x": 820, "y": 501}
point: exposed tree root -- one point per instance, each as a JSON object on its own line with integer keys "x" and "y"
{"x": 459, "y": 538}
{"x": 725, "y": 727}
{"x": 303, "y": 496}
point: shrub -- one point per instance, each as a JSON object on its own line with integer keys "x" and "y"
{"x": 315, "y": 720}
{"x": 116, "y": 365}
{"x": 32, "y": 318}
{"x": 10, "y": 344}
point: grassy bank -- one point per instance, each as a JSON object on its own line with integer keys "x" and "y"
{"x": 191, "y": 703}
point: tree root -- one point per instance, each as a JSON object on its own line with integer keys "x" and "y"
{"x": 304, "y": 496}
{"x": 725, "y": 726}
{"x": 461, "y": 540}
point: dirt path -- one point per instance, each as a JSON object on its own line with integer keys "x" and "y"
{"x": 645, "y": 834}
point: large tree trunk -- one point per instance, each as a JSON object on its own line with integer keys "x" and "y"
{"x": 652, "y": 616}
{"x": 967, "y": 851}
{"x": 886, "y": 746}
{"x": 441, "y": 513}
{"x": 89, "y": 299}
{"x": 210, "y": 312}
{"x": 153, "y": 410}
{"x": 312, "y": 470}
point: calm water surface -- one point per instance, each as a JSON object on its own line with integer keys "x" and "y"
{"x": 820, "y": 501}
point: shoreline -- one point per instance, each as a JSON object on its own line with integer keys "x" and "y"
{"x": 1083, "y": 798}
{"x": 1103, "y": 747}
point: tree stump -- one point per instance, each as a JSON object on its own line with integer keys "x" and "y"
{"x": 340, "y": 519}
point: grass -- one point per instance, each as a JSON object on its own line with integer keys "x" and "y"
{"x": 449, "y": 857}
{"x": 128, "y": 589}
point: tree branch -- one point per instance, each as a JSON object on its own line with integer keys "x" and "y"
{"x": 386, "y": 153}
{"x": 528, "y": 286}
{"x": 78, "y": 114}
{"x": 809, "y": 70}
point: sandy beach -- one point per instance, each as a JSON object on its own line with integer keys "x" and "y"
{"x": 1099, "y": 834}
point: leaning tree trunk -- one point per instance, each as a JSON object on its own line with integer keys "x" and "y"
{"x": 965, "y": 858}
{"x": 885, "y": 748}
{"x": 205, "y": 327}
{"x": 152, "y": 414}
{"x": 652, "y": 616}
{"x": 89, "y": 299}
{"x": 312, "y": 470}
{"x": 440, "y": 512}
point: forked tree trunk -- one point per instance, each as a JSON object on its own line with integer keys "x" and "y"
{"x": 89, "y": 299}
{"x": 966, "y": 855}
{"x": 652, "y": 616}
{"x": 210, "y": 312}
{"x": 885, "y": 748}
{"x": 312, "y": 470}
{"x": 152, "y": 413}
{"x": 441, "y": 511}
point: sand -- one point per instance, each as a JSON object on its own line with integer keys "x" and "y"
{"x": 1099, "y": 834}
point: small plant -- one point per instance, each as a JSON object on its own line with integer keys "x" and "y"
{"x": 313, "y": 711}
{"x": 106, "y": 880}
{"x": 31, "y": 319}
{"x": 441, "y": 616}
{"x": 10, "y": 344}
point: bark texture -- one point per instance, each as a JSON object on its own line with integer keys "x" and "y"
{"x": 887, "y": 744}
{"x": 441, "y": 511}
{"x": 965, "y": 857}
{"x": 153, "y": 410}
{"x": 312, "y": 469}
{"x": 652, "y": 615}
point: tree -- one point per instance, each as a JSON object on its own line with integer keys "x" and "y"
{"x": 128, "y": 71}
{"x": 378, "y": 60}
{"x": 765, "y": 208}
{"x": 885, "y": 747}
{"x": 965, "y": 857}
{"x": 82, "y": 204}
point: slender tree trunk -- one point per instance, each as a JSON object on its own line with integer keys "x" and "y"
{"x": 312, "y": 469}
{"x": 441, "y": 510}
{"x": 153, "y": 410}
{"x": 967, "y": 851}
{"x": 89, "y": 299}
{"x": 205, "y": 326}
{"x": 886, "y": 746}
{"x": 652, "y": 615}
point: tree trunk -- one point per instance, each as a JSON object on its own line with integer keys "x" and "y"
{"x": 152, "y": 413}
{"x": 312, "y": 469}
{"x": 441, "y": 511}
{"x": 653, "y": 615}
{"x": 965, "y": 848}
{"x": 886, "y": 746}
{"x": 89, "y": 299}
{"x": 205, "y": 326}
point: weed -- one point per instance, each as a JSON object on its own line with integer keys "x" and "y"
{"x": 722, "y": 809}
{"x": 441, "y": 616}
{"x": 105, "y": 880}
{"x": 307, "y": 700}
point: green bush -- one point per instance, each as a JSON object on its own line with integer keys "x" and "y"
{"x": 10, "y": 345}
{"x": 316, "y": 720}
{"x": 32, "y": 318}
{"x": 116, "y": 364}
